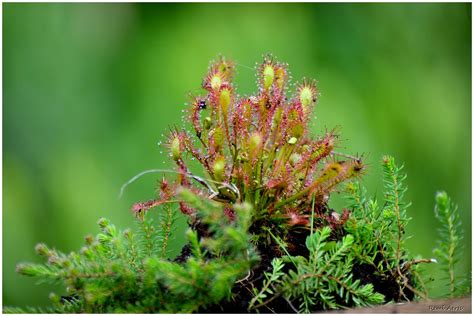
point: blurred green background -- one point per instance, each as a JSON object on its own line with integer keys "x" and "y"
{"x": 88, "y": 90}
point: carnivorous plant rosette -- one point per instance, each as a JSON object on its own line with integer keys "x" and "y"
{"x": 257, "y": 149}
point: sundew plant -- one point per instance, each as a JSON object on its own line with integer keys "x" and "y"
{"x": 258, "y": 150}
{"x": 261, "y": 235}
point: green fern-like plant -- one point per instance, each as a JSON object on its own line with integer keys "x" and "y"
{"x": 120, "y": 271}
{"x": 324, "y": 280}
{"x": 367, "y": 265}
{"x": 379, "y": 233}
{"x": 449, "y": 248}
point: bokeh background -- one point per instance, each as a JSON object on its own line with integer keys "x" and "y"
{"x": 89, "y": 89}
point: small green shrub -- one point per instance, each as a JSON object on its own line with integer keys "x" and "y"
{"x": 449, "y": 249}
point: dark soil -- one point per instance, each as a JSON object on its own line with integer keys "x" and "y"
{"x": 386, "y": 284}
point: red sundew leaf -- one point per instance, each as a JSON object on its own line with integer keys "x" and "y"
{"x": 220, "y": 72}
{"x": 241, "y": 177}
{"x": 215, "y": 141}
{"x": 242, "y": 120}
{"x": 295, "y": 219}
{"x": 281, "y": 77}
{"x": 337, "y": 172}
{"x": 166, "y": 192}
{"x": 191, "y": 149}
{"x": 140, "y": 208}
{"x": 226, "y": 67}
{"x": 307, "y": 95}
{"x": 219, "y": 168}
{"x": 197, "y": 106}
{"x": 226, "y": 100}
{"x": 186, "y": 209}
{"x": 316, "y": 151}
{"x": 272, "y": 78}
{"x": 265, "y": 111}
{"x": 283, "y": 182}
{"x": 215, "y": 100}
{"x": 185, "y": 145}
{"x": 266, "y": 74}
{"x": 276, "y": 183}
{"x": 247, "y": 180}
{"x": 295, "y": 121}
{"x": 229, "y": 211}
{"x": 272, "y": 130}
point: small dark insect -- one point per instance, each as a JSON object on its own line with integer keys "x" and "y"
{"x": 202, "y": 105}
{"x": 268, "y": 105}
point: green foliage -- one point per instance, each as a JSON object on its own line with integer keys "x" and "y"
{"x": 449, "y": 248}
{"x": 127, "y": 272}
{"x": 270, "y": 280}
{"x": 70, "y": 305}
{"x": 153, "y": 239}
{"x": 373, "y": 240}
{"x": 379, "y": 231}
{"x": 324, "y": 280}
{"x": 394, "y": 211}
